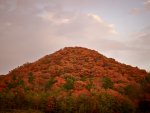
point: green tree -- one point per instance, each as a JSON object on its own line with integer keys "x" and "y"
{"x": 20, "y": 83}
{"x": 30, "y": 77}
{"x": 85, "y": 104}
{"x": 66, "y": 104}
{"x": 106, "y": 103}
{"x": 69, "y": 84}
{"x": 89, "y": 85}
{"x": 50, "y": 82}
{"x": 107, "y": 83}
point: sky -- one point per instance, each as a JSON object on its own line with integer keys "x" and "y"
{"x": 31, "y": 29}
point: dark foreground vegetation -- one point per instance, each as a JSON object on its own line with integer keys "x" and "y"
{"x": 96, "y": 103}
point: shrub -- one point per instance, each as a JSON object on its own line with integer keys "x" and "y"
{"x": 69, "y": 84}
{"x": 14, "y": 84}
{"x": 89, "y": 85}
{"x": 132, "y": 91}
{"x": 126, "y": 107}
{"x": 26, "y": 88}
{"x": 20, "y": 83}
{"x": 145, "y": 83}
{"x": 106, "y": 103}
{"x": 50, "y": 82}
{"x": 83, "y": 78}
{"x": 66, "y": 104}
{"x": 107, "y": 83}
{"x": 69, "y": 76}
{"x": 14, "y": 77}
{"x": 30, "y": 78}
{"x": 7, "y": 101}
{"x": 145, "y": 80}
{"x": 11, "y": 85}
{"x": 85, "y": 104}
{"x": 51, "y": 106}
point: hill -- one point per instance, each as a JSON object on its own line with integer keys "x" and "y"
{"x": 76, "y": 80}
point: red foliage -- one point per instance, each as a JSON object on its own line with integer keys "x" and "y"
{"x": 78, "y": 62}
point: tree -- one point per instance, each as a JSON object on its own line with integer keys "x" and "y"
{"x": 69, "y": 84}
{"x": 30, "y": 78}
{"x": 107, "y": 83}
{"x": 50, "y": 82}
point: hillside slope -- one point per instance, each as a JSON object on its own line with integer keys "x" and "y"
{"x": 71, "y": 73}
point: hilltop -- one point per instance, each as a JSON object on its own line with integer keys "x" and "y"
{"x": 76, "y": 79}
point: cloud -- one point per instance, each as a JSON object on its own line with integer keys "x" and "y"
{"x": 76, "y": 27}
{"x": 138, "y": 51}
{"x": 31, "y": 29}
{"x": 142, "y": 8}
{"x": 95, "y": 17}
{"x": 81, "y": 23}
{"x": 147, "y": 3}
{"x": 135, "y": 11}
{"x": 50, "y": 16}
{"x": 142, "y": 40}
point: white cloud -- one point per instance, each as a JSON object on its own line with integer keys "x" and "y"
{"x": 51, "y": 17}
{"x": 95, "y": 17}
{"x": 113, "y": 29}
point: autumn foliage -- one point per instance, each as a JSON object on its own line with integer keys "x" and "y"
{"x": 76, "y": 80}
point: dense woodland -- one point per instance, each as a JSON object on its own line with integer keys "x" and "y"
{"x": 76, "y": 80}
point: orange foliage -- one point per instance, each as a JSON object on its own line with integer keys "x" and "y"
{"x": 81, "y": 63}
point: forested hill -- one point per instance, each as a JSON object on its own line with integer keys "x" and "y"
{"x": 76, "y": 80}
